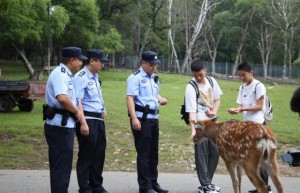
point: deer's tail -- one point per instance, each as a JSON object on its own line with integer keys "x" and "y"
{"x": 266, "y": 145}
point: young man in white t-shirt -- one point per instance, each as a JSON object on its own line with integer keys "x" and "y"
{"x": 204, "y": 107}
{"x": 251, "y": 101}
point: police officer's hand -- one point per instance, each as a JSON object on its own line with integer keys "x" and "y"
{"x": 136, "y": 124}
{"x": 84, "y": 129}
{"x": 162, "y": 101}
{"x": 105, "y": 113}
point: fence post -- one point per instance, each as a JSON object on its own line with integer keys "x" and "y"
{"x": 226, "y": 69}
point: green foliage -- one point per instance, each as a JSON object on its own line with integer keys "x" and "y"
{"x": 58, "y": 21}
{"x": 83, "y": 26}
{"x": 110, "y": 43}
{"x": 21, "y": 20}
{"x": 297, "y": 62}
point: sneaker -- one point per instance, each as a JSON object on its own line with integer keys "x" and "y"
{"x": 255, "y": 191}
{"x": 269, "y": 189}
{"x": 217, "y": 188}
{"x": 207, "y": 189}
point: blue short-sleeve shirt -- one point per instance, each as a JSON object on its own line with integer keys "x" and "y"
{"x": 60, "y": 83}
{"x": 88, "y": 89}
{"x": 145, "y": 91}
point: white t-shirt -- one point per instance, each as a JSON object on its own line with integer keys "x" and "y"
{"x": 206, "y": 99}
{"x": 248, "y": 96}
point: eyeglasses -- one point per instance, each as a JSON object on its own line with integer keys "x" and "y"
{"x": 97, "y": 60}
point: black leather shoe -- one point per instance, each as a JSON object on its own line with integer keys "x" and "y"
{"x": 147, "y": 191}
{"x": 101, "y": 190}
{"x": 158, "y": 189}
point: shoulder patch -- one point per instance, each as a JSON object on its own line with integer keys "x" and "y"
{"x": 63, "y": 70}
{"x": 81, "y": 73}
{"x": 136, "y": 72}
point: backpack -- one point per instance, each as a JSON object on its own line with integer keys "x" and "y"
{"x": 267, "y": 108}
{"x": 184, "y": 114}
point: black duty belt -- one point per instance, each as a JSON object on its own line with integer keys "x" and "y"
{"x": 146, "y": 109}
{"x": 49, "y": 113}
{"x": 63, "y": 112}
{"x": 94, "y": 114}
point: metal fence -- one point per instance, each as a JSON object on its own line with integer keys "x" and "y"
{"x": 224, "y": 68}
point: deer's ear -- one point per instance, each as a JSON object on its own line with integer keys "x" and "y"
{"x": 215, "y": 119}
{"x": 194, "y": 122}
{"x": 197, "y": 124}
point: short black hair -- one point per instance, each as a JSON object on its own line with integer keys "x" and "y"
{"x": 245, "y": 66}
{"x": 197, "y": 65}
{"x": 295, "y": 101}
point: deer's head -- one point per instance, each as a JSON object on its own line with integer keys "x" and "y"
{"x": 200, "y": 126}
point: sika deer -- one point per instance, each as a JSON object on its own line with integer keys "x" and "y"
{"x": 243, "y": 144}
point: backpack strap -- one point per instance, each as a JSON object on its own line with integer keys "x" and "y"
{"x": 255, "y": 88}
{"x": 194, "y": 84}
{"x": 210, "y": 81}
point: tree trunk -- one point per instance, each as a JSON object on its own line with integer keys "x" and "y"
{"x": 212, "y": 46}
{"x": 197, "y": 30}
{"x": 171, "y": 37}
{"x": 27, "y": 63}
{"x": 241, "y": 44}
{"x": 265, "y": 47}
{"x": 145, "y": 39}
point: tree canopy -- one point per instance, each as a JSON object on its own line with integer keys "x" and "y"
{"x": 259, "y": 31}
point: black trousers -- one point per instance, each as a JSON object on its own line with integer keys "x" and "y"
{"x": 264, "y": 175}
{"x": 60, "y": 150}
{"x": 146, "y": 145}
{"x": 91, "y": 157}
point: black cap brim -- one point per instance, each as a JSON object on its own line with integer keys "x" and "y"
{"x": 104, "y": 59}
{"x": 82, "y": 57}
{"x": 153, "y": 61}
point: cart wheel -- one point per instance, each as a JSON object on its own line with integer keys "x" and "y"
{"x": 25, "y": 105}
{"x": 6, "y": 104}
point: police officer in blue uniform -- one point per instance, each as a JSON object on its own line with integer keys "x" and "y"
{"x": 60, "y": 113}
{"x": 143, "y": 101}
{"x": 91, "y": 136}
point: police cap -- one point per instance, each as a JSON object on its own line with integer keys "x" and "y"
{"x": 97, "y": 54}
{"x": 73, "y": 52}
{"x": 150, "y": 57}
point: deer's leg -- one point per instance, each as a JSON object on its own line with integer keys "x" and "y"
{"x": 232, "y": 169}
{"x": 239, "y": 175}
{"x": 274, "y": 172}
{"x": 251, "y": 168}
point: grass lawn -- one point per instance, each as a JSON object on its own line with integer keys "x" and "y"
{"x": 22, "y": 137}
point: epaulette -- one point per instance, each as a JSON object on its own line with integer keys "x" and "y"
{"x": 63, "y": 70}
{"x": 81, "y": 73}
{"x": 136, "y": 72}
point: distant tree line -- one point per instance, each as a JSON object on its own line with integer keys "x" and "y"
{"x": 263, "y": 32}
